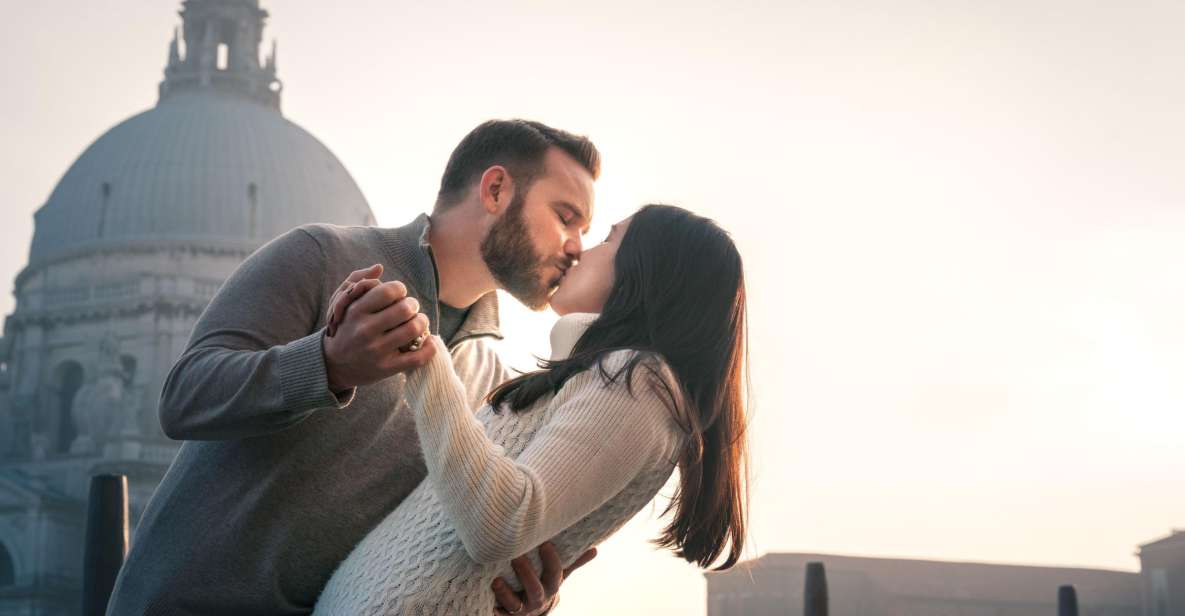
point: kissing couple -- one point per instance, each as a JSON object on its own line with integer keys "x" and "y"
{"x": 354, "y": 445}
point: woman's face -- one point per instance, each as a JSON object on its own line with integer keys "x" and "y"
{"x": 587, "y": 284}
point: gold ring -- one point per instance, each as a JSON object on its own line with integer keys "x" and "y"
{"x": 416, "y": 344}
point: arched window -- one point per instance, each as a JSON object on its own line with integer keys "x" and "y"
{"x": 223, "y": 56}
{"x": 69, "y": 381}
{"x": 7, "y": 568}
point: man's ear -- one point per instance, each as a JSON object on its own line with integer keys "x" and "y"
{"x": 495, "y": 189}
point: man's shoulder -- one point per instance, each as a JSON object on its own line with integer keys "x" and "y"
{"x": 400, "y": 243}
{"x": 347, "y": 247}
{"x": 331, "y": 235}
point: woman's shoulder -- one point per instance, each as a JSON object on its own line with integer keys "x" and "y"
{"x": 653, "y": 397}
{"x": 652, "y": 360}
{"x": 638, "y": 373}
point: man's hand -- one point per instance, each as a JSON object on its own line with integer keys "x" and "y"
{"x": 538, "y": 591}
{"x": 369, "y": 321}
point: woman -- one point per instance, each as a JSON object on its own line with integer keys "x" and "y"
{"x": 645, "y": 376}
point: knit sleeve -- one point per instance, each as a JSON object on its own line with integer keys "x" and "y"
{"x": 599, "y": 438}
{"x": 483, "y": 369}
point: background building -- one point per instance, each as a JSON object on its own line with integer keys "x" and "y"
{"x": 127, "y": 251}
{"x": 1162, "y": 565}
{"x": 773, "y": 586}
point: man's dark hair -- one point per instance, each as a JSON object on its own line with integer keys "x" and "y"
{"x": 518, "y": 145}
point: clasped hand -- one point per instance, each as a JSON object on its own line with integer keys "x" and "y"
{"x": 370, "y": 325}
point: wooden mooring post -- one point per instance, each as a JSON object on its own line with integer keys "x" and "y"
{"x": 814, "y": 598}
{"x": 106, "y": 540}
{"x": 1067, "y": 601}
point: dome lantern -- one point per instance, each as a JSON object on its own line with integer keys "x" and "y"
{"x": 222, "y": 39}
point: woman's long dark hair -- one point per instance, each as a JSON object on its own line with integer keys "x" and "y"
{"x": 679, "y": 292}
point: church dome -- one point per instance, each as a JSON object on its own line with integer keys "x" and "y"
{"x": 198, "y": 167}
{"x": 215, "y": 163}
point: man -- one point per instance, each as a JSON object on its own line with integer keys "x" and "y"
{"x": 297, "y": 444}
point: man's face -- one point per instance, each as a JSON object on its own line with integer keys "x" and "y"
{"x": 531, "y": 246}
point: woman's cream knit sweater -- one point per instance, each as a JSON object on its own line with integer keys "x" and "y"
{"x": 573, "y": 468}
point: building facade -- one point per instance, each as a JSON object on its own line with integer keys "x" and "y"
{"x": 130, "y": 246}
{"x": 1162, "y": 569}
{"x": 773, "y": 586}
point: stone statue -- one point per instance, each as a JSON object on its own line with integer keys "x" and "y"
{"x": 99, "y": 406}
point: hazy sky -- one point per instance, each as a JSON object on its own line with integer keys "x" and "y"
{"x": 963, "y": 226}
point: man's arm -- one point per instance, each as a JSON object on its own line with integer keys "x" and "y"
{"x": 254, "y": 364}
{"x": 540, "y": 592}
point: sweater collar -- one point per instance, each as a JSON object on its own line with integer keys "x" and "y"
{"x": 567, "y": 331}
{"x": 408, "y": 247}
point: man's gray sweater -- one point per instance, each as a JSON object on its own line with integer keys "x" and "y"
{"x": 278, "y": 479}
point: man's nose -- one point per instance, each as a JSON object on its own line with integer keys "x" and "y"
{"x": 573, "y": 248}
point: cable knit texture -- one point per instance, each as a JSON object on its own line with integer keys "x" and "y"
{"x": 573, "y": 468}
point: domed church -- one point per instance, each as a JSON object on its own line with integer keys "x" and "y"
{"x": 127, "y": 251}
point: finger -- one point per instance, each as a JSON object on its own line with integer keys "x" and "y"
{"x": 381, "y": 296}
{"x": 405, "y": 337}
{"x": 331, "y": 316}
{"x": 373, "y": 271}
{"x": 394, "y": 316}
{"x": 553, "y": 569}
{"x": 342, "y": 299}
{"x": 405, "y": 334}
{"x": 580, "y": 562}
{"x": 529, "y": 581}
{"x": 360, "y": 288}
{"x": 508, "y": 600}
{"x": 405, "y": 361}
{"x": 351, "y": 294}
{"x": 330, "y": 319}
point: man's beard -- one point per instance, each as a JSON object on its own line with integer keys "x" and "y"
{"x": 510, "y": 256}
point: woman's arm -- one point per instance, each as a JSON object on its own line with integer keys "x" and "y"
{"x": 485, "y": 370}
{"x": 599, "y": 438}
